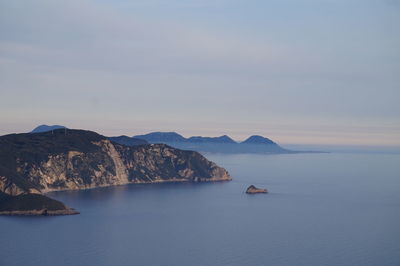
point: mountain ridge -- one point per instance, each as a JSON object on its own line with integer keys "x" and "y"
{"x": 257, "y": 139}
{"x": 168, "y": 137}
{"x": 221, "y": 144}
{"x": 129, "y": 141}
{"x": 161, "y": 136}
{"x": 221, "y": 139}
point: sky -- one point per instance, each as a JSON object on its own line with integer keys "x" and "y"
{"x": 300, "y": 72}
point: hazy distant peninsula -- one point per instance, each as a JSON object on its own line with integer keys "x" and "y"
{"x": 66, "y": 159}
{"x": 222, "y": 144}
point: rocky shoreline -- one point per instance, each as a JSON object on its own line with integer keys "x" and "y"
{"x": 40, "y": 213}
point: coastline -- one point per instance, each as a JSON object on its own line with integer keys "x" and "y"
{"x": 42, "y": 212}
{"x": 158, "y": 181}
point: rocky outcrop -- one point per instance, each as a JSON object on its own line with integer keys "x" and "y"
{"x": 254, "y": 190}
{"x": 9, "y": 187}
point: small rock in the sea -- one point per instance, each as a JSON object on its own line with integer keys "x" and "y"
{"x": 253, "y": 190}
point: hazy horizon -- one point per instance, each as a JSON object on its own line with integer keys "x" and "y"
{"x": 294, "y": 146}
{"x": 299, "y": 72}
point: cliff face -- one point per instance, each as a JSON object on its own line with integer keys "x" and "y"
{"x": 77, "y": 159}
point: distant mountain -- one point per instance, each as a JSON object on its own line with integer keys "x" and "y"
{"x": 221, "y": 139}
{"x": 222, "y": 144}
{"x": 173, "y": 137}
{"x": 128, "y": 141}
{"x": 162, "y": 137}
{"x": 255, "y": 139}
{"x": 45, "y": 128}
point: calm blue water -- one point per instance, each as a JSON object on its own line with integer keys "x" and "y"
{"x": 323, "y": 209}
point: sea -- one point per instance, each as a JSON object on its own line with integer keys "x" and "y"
{"x": 321, "y": 209}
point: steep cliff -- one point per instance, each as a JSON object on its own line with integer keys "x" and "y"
{"x": 78, "y": 159}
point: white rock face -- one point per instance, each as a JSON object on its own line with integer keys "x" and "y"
{"x": 61, "y": 172}
{"x": 121, "y": 176}
{"x": 8, "y": 187}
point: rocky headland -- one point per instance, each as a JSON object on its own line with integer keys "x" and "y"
{"x": 254, "y": 190}
{"x": 66, "y": 159}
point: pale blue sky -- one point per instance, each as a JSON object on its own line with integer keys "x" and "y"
{"x": 311, "y": 71}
